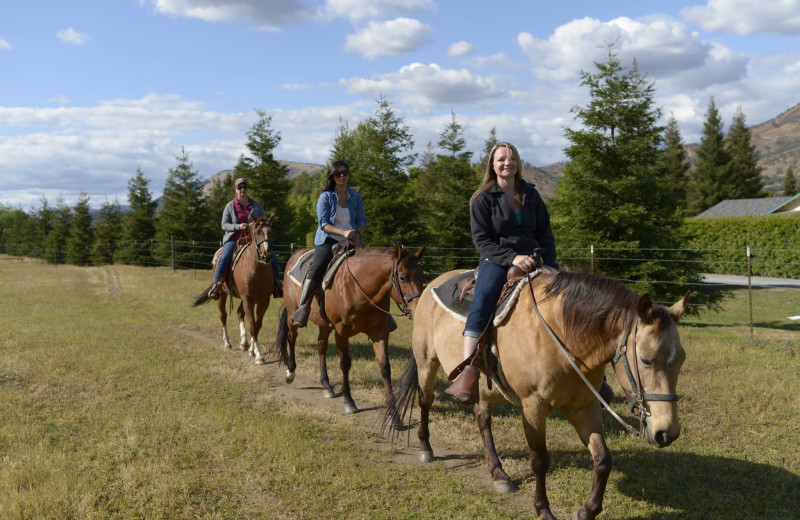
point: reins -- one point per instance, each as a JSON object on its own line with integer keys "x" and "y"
{"x": 395, "y": 287}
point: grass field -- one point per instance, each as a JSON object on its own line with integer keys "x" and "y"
{"x": 118, "y": 401}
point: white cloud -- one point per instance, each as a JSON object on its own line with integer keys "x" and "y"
{"x": 268, "y": 15}
{"x": 73, "y": 37}
{"x": 357, "y": 10}
{"x": 427, "y": 86}
{"x": 460, "y": 48}
{"x": 746, "y": 17}
{"x": 4, "y": 45}
{"x": 297, "y": 87}
{"x": 389, "y": 38}
{"x": 60, "y": 100}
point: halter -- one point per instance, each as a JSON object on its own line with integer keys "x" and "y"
{"x": 638, "y": 397}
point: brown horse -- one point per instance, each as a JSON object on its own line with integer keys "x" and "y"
{"x": 594, "y": 319}
{"x": 357, "y": 300}
{"x": 253, "y": 279}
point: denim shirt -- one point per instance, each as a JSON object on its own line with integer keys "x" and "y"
{"x": 326, "y": 209}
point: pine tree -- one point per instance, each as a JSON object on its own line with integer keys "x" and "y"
{"x": 480, "y": 166}
{"x": 81, "y": 235}
{"x": 107, "y": 233}
{"x": 184, "y": 216}
{"x": 267, "y": 179}
{"x": 614, "y": 194}
{"x": 303, "y": 204}
{"x": 744, "y": 180}
{"x": 16, "y": 229}
{"x": 138, "y": 223}
{"x": 789, "y": 184}
{"x": 706, "y": 179}
{"x": 675, "y": 161}
{"x": 57, "y": 238}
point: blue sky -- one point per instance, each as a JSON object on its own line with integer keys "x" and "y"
{"x": 92, "y": 89}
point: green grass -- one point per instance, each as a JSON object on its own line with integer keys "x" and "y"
{"x": 117, "y": 401}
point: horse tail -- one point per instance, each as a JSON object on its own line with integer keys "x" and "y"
{"x": 278, "y": 348}
{"x": 201, "y": 298}
{"x": 406, "y": 392}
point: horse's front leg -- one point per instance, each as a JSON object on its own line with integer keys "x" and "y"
{"x": 483, "y": 416}
{"x": 242, "y": 328}
{"x": 533, "y": 421}
{"x": 381, "y": 347}
{"x": 223, "y": 317}
{"x": 343, "y": 346}
{"x": 588, "y": 422}
{"x": 426, "y": 377}
{"x": 261, "y": 308}
{"x": 322, "y": 352}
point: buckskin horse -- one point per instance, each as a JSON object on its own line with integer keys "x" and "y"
{"x": 357, "y": 300}
{"x": 596, "y": 321}
{"x": 252, "y": 281}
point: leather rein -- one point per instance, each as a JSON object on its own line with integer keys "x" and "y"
{"x": 639, "y": 397}
{"x": 394, "y": 280}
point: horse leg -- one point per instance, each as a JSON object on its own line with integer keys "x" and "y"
{"x": 223, "y": 317}
{"x": 426, "y": 378}
{"x": 242, "y": 327}
{"x": 483, "y": 416}
{"x": 261, "y": 308}
{"x": 533, "y": 421}
{"x": 381, "y": 348}
{"x": 343, "y": 346}
{"x": 322, "y": 351}
{"x": 588, "y": 423}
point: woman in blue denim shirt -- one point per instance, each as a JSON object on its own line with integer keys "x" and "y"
{"x": 340, "y": 213}
{"x": 508, "y": 221}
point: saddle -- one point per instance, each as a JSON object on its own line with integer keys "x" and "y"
{"x": 303, "y": 265}
{"x": 227, "y": 279}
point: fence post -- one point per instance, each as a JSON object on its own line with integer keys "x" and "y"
{"x": 194, "y": 259}
{"x": 591, "y": 258}
{"x": 172, "y": 247}
{"x": 750, "y": 292}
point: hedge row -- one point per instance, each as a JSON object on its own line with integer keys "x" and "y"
{"x": 774, "y": 242}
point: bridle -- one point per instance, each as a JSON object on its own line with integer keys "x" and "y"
{"x": 257, "y": 251}
{"x": 394, "y": 281}
{"x": 638, "y": 397}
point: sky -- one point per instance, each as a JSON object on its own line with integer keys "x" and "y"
{"x": 91, "y": 90}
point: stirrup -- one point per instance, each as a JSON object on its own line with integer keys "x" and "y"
{"x": 465, "y": 387}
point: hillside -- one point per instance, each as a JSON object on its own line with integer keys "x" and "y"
{"x": 778, "y": 145}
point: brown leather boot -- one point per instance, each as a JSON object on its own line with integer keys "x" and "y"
{"x": 214, "y": 292}
{"x": 465, "y": 387}
{"x": 299, "y": 318}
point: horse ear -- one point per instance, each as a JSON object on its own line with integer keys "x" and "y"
{"x": 271, "y": 216}
{"x": 419, "y": 253}
{"x": 398, "y": 250}
{"x": 644, "y": 307}
{"x": 677, "y": 310}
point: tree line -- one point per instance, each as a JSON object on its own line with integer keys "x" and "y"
{"x": 628, "y": 184}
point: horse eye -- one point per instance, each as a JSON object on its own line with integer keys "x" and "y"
{"x": 402, "y": 278}
{"x": 646, "y": 362}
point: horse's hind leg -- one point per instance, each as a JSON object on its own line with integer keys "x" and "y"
{"x": 242, "y": 327}
{"x": 343, "y": 346}
{"x": 427, "y": 376}
{"x": 223, "y": 317}
{"x": 588, "y": 423}
{"x": 322, "y": 352}
{"x": 381, "y": 348}
{"x": 483, "y": 416}
{"x": 533, "y": 420}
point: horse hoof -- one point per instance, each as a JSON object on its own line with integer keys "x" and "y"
{"x": 289, "y": 377}
{"x": 251, "y": 353}
{"x": 504, "y": 486}
{"x": 426, "y": 456}
{"x": 327, "y": 393}
{"x": 227, "y": 346}
{"x": 350, "y": 408}
{"x": 260, "y": 361}
{"x": 243, "y": 347}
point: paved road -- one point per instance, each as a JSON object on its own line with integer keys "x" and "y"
{"x": 756, "y": 281}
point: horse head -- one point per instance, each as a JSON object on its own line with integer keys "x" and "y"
{"x": 407, "y": 279}
{"x": 261, "y": 233}
{"x": 649, "y": 367}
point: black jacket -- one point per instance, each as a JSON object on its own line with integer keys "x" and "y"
{"x": 495, "y": 231}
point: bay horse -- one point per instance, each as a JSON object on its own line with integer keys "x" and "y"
{"x": 595, "y": 320}
{"x": 357, "y": 300}
{"x": 253, "y": 279}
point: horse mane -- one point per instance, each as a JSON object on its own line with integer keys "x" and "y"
{"x": 592, "y": 308}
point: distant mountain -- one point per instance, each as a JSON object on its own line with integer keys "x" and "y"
{"x": 778, "y": 145}
{"x": 295, "y": 169}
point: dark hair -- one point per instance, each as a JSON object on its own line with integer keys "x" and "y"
{"x": 330, "y": 185}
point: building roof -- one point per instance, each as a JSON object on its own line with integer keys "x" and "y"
{"x": 746, "y": 207}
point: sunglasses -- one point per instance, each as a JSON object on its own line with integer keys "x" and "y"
{"x": 341, "y": 174}
{"x": 241, "y": 187}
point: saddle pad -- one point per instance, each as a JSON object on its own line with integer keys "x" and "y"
{"x": 447, "y": 295}
{"x": 298, "y": 272}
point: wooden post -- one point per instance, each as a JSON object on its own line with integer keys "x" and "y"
{"x": 750, "y": 292}
{"x": 172, "y": 247}
{"x": 591, "y": 257}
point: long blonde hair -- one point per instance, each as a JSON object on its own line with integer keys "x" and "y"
{"x": 490, "y": 176}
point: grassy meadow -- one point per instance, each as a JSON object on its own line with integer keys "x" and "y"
{"x": 118, "y": 401}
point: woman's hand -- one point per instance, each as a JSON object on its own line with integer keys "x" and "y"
{"x": 524, "y": 262}
{"x": 352, "y": 236}
{"x": 243, "y": 225}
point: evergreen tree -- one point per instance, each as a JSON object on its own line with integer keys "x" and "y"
{"x": 16, "y": 229}
{"x": 706, "y": 179}
{"x": 138, "y": 223}
{"x": 744, "y": 180}
{"x": 378, "y": 159}
{"x": 614, "y": 194}
{"x": 303, "y": 203}
{"x": 675, "y": 161}
{"x": 480, "y": 166}
{"x": 81, "y": 235}
{"x": 57, "y": 238}
{"x": 789, "y": 184}
{"x": 184, "y": 216}
{"x": 267, "y": 179}
{"x": 107, "y": 233}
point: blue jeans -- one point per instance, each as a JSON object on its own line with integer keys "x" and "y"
{"x": 224, "y": 262}
{"x": 491, "y": 278}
